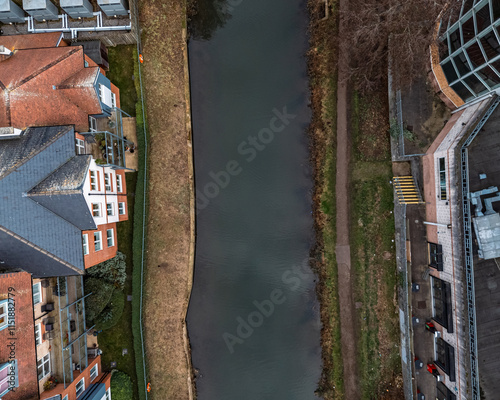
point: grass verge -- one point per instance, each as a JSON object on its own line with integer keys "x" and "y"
{"x": 372, "y": 249}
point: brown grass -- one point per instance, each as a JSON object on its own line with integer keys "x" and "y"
{"x": 168, "y": 275}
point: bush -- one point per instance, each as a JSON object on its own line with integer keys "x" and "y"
{"x": 112, "y": 271}
{"x": 112, "y": 313}
{"x": 121, "y": 386}
{"x": 99, "y": 299}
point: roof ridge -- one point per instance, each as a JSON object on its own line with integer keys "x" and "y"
{"x": 71, "y": 50}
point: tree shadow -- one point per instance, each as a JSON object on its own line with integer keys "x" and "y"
{"x": 206, "y": 16}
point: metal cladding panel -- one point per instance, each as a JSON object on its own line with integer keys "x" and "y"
{"x": 10, "y": 12}
{"x": 41, "y": 9}
{"x": 77, "y": 8}
{"x": 113, "y": 7}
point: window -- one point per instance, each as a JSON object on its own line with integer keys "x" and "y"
{"x": 92, "y": 124}
{"x": 38, "y": 334}
{"x": 441, "y": 301}
{"x": 8, "y": 371}
{"x": 109, "y": 209}
{"x": 105, "y": 95}
{"x": 80, "y": 146}
{"x": 435, "y": 256}
{"x": 4, "y": 305}
{"x": 97, "y": 241}
{"x": 37, "y": 293}
{"x": 94, "y": 372}
{"x": 96, "y": 209}
{"x": 80, "y": 387}
{"x": 107, "y": 182}
{"x": 445, "y": 358}
{"x": 85, "y": 244}
{"x": 43, "y": 366}
{"x": 93, "y": 180}
{"x": 121, "y": 208}
{"x": 113, "y": 100}
{"x": 442, "y": 178}
{"x": 443, "y": 393}
{"x": 65, "y": 397}
{"x": 110, "y": 236}
{"x": 119, "y": 183}
{"x": 107, "y": 395}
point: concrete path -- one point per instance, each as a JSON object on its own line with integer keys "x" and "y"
{"x": 343, "y": 251}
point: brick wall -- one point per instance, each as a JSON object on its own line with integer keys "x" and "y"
{"x": 21, "y": 335}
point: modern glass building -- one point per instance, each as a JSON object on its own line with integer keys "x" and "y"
{"x": 469, "y": 50}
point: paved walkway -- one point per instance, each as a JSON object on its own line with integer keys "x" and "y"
{"x": 343, "y": 251}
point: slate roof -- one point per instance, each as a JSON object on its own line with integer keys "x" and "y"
{"x": 62, "y": 193}
{"x": 32, "y": 236}
{"x": 46, "y": 87}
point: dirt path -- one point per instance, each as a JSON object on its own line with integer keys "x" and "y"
{"x": 343, "y": 251}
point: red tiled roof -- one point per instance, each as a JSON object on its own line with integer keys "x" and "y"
{"x": 23, "y": 336}
{"x": 31, "y": 41}
{"x": 47, "y": 86}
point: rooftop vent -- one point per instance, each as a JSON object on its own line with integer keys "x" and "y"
{"x": 10, "y": 12}
{"x": 77, "y": 8}
{"x": 41, "y": 10}
{"x": 113, "y": 7}
{"x": 5, "y": 53}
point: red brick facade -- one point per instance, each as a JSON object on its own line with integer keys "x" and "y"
{"x": 19, "y": 340}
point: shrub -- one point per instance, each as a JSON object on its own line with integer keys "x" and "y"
{"x": 112, "y": 271}
{"x": 121, "y": 386}
{"x": 112, "y": 313}
{"x": 99, "y": 299}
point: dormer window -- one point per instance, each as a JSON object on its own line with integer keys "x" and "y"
{"x": 105, "y": 95}
{"x": 80, "y": 146}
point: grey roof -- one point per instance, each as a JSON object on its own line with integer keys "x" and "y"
{"x": 62, "y": 193}
{"x": 32, "y": 236}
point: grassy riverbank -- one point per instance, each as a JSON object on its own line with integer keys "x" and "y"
{"x": 168, "y": 271}
{"x": 323, "y": 81}
{"x": 374, "y": 275}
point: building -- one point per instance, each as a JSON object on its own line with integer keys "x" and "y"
{"x": 46, "y": 352}
{"x": 466, "y": 60}
{"x": 62, "y": 158}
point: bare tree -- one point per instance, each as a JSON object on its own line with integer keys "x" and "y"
{"x": 399, "y": 30}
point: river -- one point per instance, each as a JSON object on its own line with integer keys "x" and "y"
{"x": 253, "y": 318}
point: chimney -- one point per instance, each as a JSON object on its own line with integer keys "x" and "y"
{"x": 5, "y": 53}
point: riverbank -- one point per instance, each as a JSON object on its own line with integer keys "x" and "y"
{"x": 354, "y": 225}
{"x": 170, "y": 209}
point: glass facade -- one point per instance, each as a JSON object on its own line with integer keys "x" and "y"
{"x": 469, "y": 49}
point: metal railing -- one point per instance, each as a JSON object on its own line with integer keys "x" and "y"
{"x": 469, "y": 262}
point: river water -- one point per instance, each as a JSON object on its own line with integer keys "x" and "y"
{"x": 253, "y": 318}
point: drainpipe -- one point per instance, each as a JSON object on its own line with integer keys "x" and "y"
{"x": 436, "y": 224}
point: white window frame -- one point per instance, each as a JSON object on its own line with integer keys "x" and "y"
{"x": 97, "y": 241}
{"x": 110, "y": 237}
{"x": 96, "y": 212}
{"x": 113, "y": 100}
{"x": 110, "y": 209}
{"x": 107, "y": 395}
{"x": 80, "y": 146}
{"x": 4, "y": 315}
{"x": 82, "y": 389}
{"x": 119, "y": 187}
{"x": 121, "y": 208}
{"x": 94, "y": 180}
{"x": 85, "y": 239}
{"x": 92, "y": 124}
{"x": 8, "y": 366}
{"x": 107, "y": 182}
{"x": 96, "y": 369}
{"x": 43, "y": 362}
{"x": 65, "y": 397}
{"x": 39, "y": 286}
{"x": 38, "y": 334}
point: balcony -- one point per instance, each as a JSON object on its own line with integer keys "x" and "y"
{"x": 105, "y": 141}
{"x": 63, "y": 317}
